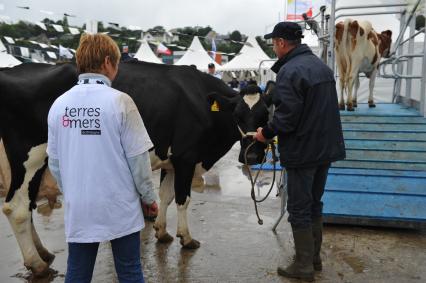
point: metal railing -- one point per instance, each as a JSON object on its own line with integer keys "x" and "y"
{"x": 333, "y": 17}
{"x": 396, "y": 62}
{"x": 261, "y": 75}
{"x": 398, "y": 58}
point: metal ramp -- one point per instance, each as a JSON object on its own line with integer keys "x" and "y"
{"x": 382, "y": 182}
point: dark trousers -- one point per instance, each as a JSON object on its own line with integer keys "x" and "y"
{"x": 305, "y": 189}
{"x": 126, "y": 252}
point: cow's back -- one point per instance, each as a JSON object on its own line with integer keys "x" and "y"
{"x": 173, "y": 102}
{"x": 27, "y": 91}
{"x": 364, "y": 43}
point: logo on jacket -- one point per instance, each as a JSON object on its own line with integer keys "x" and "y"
{"x": 84, "y": 118}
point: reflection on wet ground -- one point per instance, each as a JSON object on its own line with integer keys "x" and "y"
{"x": 234, "y": 248}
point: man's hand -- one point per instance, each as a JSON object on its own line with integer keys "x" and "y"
{"x": 259, "y": 136}
{"x": 150, "y": 211}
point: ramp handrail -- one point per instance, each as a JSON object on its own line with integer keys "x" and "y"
{"x": 398, "y": 59}
{"x": 402, "y": 32}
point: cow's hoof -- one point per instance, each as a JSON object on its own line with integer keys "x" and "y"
{"x": 47, "y": 257}
{"x": 341, "y": 106}
{"x": 192, "y": 245}
{"x": 371, "y": 105}
{"x": 350, "y": 107}
{"x": 39, "y": 270}
{"x": 354, "y": 104}
{"x": 166, "y": 238}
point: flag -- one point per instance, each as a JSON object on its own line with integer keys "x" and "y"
{"x": 162, "y": 49}
{"x": 295, "y": 9}
{"x": 64, "y": 52}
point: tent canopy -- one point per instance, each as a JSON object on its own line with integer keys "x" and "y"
{"x": 249, "y": 58}
{"x": 197, "y": 55}
{"x": 7, "y": 60}
{"x": 2, "y": 47}
{"x": 146, "y": 54}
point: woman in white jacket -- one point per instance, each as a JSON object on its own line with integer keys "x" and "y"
{"x": 98, "y": 152}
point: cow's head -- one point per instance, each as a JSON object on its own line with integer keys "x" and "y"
{"x": 248, "y": 113}
{"x": 385, "y": 41}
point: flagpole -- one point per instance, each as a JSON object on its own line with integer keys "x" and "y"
{"x": 285, "y": 10}
{"x": 295, "y": 9}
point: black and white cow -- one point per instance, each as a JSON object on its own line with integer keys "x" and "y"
{"x": 188, "y": 115}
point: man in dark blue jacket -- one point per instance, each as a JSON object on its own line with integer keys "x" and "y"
{"x": 307, "y": 123}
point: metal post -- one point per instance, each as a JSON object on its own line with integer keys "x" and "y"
{"x": 321, "y": 39}
{"x": 321, "y": 32}
{"x": 331, "y": 28}
{"x": 408, "y": 82}
{"x": 283, "y": 194}
{"x": 366, "y": 14}
{"x": 404, "y": 27}
{"x": 369, "y": 6}
{"x": 397, "y": 83}
{"x": 423, "y": 82}
{"x": 322, "y": 9}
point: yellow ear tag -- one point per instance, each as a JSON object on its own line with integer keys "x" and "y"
{"x": 215, "y": 107}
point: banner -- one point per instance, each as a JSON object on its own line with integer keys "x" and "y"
{"x": 295, "y": 9}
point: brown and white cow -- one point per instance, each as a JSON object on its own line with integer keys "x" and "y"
{"x": 358, "y": 49}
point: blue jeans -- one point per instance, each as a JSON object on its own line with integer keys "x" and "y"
{"x": 127, "y": 260}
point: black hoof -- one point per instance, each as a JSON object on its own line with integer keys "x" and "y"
{"x": 371, "y": 105}
{"x": 194, "y": 244}
{"x": 47, "y": 257}
{"x": 166, "y": 238}
{"x": 39, "y": 271}
{"x": 341, "y": 107}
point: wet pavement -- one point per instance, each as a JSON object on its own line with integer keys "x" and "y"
{"x": 234, "y": 248}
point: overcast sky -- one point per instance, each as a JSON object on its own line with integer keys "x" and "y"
{"x": 251, "y": 17}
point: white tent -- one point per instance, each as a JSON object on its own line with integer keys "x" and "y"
{"x": 197, "y": 55}
{"x": 2, "y": 47}
{"x": 7, "y": 60}
{"x": 145, "y": 53}
{"x": 249, "y": 58}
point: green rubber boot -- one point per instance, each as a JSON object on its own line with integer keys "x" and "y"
{"x": 301, "y": 267}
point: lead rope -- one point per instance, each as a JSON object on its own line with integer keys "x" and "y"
{"x": 271, "y": 146}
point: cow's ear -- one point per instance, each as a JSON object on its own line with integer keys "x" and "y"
{"x": 221, "y": 102}
{"x": 388, "y": 33}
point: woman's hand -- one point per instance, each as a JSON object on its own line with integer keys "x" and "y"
{"x": 150, "y": 211}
